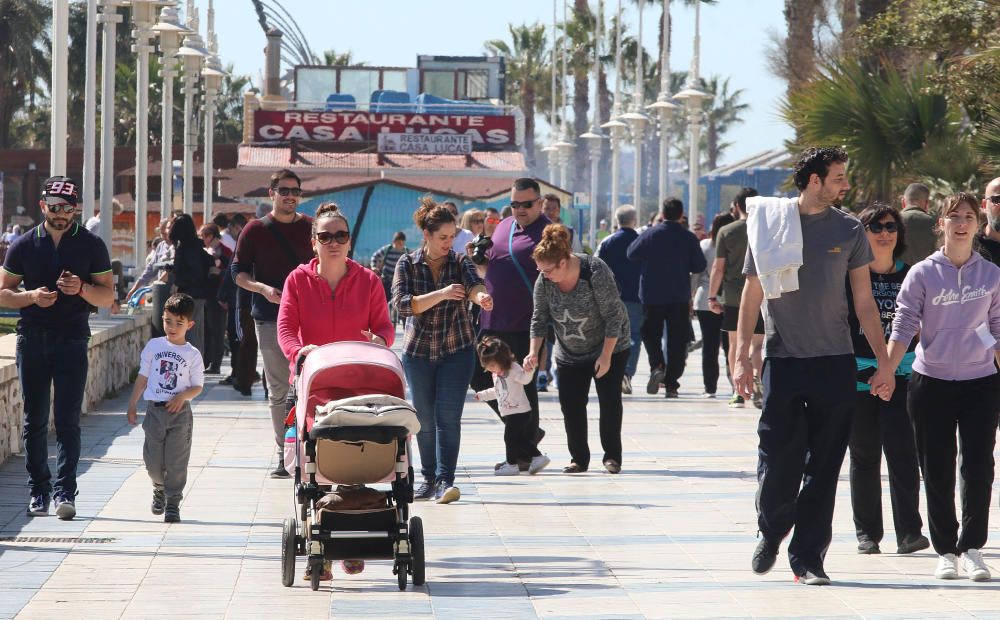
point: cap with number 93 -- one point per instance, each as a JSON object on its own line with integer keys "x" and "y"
{"x": 61, "y": 187}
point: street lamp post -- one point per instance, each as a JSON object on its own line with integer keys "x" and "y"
{"x": 565, "y": 144}
{"x": 90, "y": 114}
{"x": 693, "y": 99}
{"x": 551, "y": 152}
{"x": 143, "y": 15}
{"x": 637, "y": 120}
{"x": 110, "y": 18}
{"x": 213, "y": 75}
{"x": 615, "y": 127}
{"x": 60, "y": 88}
{"x": 169, "y": 31}
{"x": 663, "y": 107}
{"x": 192, "y": 54}
{"x": 594, "y": 137}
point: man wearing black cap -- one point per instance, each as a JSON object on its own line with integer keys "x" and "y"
{"x": 65, "y": 270}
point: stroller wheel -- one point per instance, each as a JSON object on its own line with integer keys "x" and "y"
{"x": 315, "y": 571}
{"x": 288, "y": 548}
{"x": 417, "y": 551}
{"x": 401, "y": 576}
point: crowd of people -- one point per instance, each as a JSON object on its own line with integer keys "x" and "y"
{"x": 871, "y": 333}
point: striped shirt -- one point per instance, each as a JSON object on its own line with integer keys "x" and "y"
{"x": 384, "y": 261}
{"x": 444, "y": 328}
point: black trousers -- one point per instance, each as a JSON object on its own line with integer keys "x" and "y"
{"x": 232, "y": 336}
{"x": 879, "y": 425}
{"x": 519, "y": 343}
{"x": 803, "y": 430}
{"x": 519, "y": 438}
{"x": 246, "y": 362}
{"x": 215, "y": 332}
{"x": 678, "y": 329}
{"x": 937, "y": 408}
{"x": 574, "y": 384}
{"x": 711, "y": 339}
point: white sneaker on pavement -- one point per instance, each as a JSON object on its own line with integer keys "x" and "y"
{"x": 538, "y": 463}
{"x": 507, "y": 469}
{"x": 974, "y": 566}
{"x": 947, "y": 567}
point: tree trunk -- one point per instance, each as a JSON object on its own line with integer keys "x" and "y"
{"x": 847, "y": 11}
{"x": 800, "y": 46}
{"x": 712, "y": 145}
{"x": 528, "y": 108}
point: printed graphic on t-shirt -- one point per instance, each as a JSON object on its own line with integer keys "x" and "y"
{"x": 170, "y": 369}
{"x": 572, "y": 327}
{"x": 168, "y": 374}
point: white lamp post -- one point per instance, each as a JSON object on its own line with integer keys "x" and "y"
{"x": 637, "y": 120}
{"x": 594, "y": 137}
{"x": 694, "y": 98}
{"x": 60, "y": 88}
{"x": 615, "y": 127}
{"x": 663, "y": 107}
{"x": 213, "y": 75}
{"x": 143, "y": 15}
{"x": 89, "y": 180}
{"x": 169, "y": 30}
{"x": 551, "y": 152}
{"x": 565, "y": 144}
{"x": 192, "y": 54}
{"x": 110, "y": 18}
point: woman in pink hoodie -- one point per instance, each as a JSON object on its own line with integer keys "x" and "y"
{"x": 953, "y": 299}
{"x": 331, "y": 299}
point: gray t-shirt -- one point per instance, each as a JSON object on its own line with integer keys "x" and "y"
{"x": 583, "y": 317}
{"x": 812, "y": 321}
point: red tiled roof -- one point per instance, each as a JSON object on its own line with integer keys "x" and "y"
{"x": 272, "y": 158}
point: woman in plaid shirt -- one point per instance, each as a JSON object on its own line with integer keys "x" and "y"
{"x": 430, "y": 290}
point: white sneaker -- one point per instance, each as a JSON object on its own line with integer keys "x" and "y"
{"x": 947, "y": 567}
{"x": 708, "y": 395}
{"x": 507, "y": 469}
{"x": 538, "y": 463}
{"x": 974, "y": 566}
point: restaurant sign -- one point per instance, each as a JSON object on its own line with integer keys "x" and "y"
{"x": 352, "y": 126}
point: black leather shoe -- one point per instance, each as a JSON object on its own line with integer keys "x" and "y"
{"x": 912, "y": 543}
{"x": 867, "y": 546}
{"x": 764, "y": 556}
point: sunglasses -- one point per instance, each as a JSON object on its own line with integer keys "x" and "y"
{"x": 877, "y": 227}
{"x": 288, "y": 191}
{"x": 341, "y": 237}
{"x": 492, "y": 220}
{"x": 60, "y": 207}
{"x": 995, "y": 199}
{"x": 524, "y": 204}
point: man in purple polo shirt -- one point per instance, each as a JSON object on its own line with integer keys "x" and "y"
{"x": 510, "y": 276}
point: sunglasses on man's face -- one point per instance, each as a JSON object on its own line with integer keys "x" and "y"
{"x": 288, "y": 191}
{"x": 60, "y": 207}
{"x": 341, "y": 237}
{"x": 877, "y": 227}
{"x": 995, "y": 200}
{"x": 492, "y": 220}
{"x": 523, "y": 204}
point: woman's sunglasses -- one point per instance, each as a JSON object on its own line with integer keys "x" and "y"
{"x": 341, "y": 237}
{"x": 288, "y": 191}
{"x": 877, "y": 227}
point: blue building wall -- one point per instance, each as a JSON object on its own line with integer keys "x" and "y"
{"x": 390, "y": 209}
{"x": 718, "y": 192}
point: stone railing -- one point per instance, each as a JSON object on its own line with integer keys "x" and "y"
{"x": 115, "y": 345}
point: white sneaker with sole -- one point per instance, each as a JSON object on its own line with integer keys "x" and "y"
{"x": 538, "y": 463}
{"x": 974, "y": 566}
{"x": 947, "y": 567}
{"x": 507, "y": 469}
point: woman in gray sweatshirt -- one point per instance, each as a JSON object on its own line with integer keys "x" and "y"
{"x": 579, "y": 295}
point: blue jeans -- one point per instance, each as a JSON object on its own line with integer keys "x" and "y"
{"x": 47, "y": 359}
{"x": 634, "y": 310}
{"x": 438, "y": 388}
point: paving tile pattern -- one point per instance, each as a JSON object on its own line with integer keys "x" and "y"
{"x": 671, "y": 537}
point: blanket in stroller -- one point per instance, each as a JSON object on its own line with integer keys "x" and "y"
{"x": 368, "y": 410}
{"x": 352, "y": 497}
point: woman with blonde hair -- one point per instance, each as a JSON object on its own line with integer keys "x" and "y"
{"x": 579, "y": 295}
{"x": 430, "y": 289}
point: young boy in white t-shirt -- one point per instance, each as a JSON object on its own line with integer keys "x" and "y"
{"x": 171, "y": 373}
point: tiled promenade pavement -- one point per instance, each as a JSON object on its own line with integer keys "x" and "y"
{"x": 670, "y": 537}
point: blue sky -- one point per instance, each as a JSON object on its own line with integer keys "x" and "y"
{"x": 734, "y": 37}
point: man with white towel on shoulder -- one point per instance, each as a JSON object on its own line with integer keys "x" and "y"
{"x": 800, "y": 255}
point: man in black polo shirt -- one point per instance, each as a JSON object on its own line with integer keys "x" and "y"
{"x": 65, "y": 270}
{"x": 989, "y": 238}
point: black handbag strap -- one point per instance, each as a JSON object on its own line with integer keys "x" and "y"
{"x": 269, "y": 224}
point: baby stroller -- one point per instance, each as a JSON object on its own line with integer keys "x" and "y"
{"x": 351, "y": 427}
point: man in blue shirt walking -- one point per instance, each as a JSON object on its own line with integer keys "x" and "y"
{"x": 614, "y": 252}
{"x": 65, "y": 271}
{"x": 667, "y": 254}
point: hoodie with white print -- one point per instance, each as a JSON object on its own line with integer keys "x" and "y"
{"x": 956, "y": 310}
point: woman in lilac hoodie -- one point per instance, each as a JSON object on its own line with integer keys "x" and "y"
{"x": 953, "y": 299}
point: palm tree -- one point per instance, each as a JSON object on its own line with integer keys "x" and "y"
{"x": 526, "y": 56}
{"x": 229, "y": 109}
{"x": 24, "y": 62}
{"x": 344, "y": 59}
{"x": 887, "y": 121}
